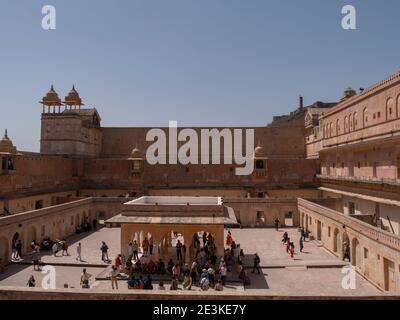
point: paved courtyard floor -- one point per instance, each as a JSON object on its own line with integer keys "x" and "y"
{"x": 314, "y": 272}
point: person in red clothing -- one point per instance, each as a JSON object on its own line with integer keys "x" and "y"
{"x": 288, "y": 245}
{"x": 145, "y": 246}
{"x": 117, "y": 262}
{"x": 229, "y": 239}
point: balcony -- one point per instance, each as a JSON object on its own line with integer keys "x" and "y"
{"x": 394, "y": 182}
{"x": 383, "y": 237}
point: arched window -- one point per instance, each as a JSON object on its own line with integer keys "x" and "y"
{"x": 337, "y": 127}
{"x": 355, "y": 120}
{"x": 350, "y": 122}
{"x": 346, "y": 127}
{"x": 390, "y": 109}
{"x": 398, "y": 106}
{"x": 365, "y": 117}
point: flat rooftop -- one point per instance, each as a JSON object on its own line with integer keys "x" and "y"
{"x": 176, "y": 200}
{"x": 175, "y": 210}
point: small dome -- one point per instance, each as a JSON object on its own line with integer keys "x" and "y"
{"x": 51, "y": 98}
{"x": 6, "y": 145}
{"x": 259, "y": 151}
{"x": 136, "y": 153}
{"x": 73, "y": 98}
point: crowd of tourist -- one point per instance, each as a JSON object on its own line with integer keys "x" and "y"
{"x": 206, "y": 271}
{"x": 304, "y": 234}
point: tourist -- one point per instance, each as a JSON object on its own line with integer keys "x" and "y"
{"x": 301, "y": 244}
{"x": 139, "y": 283}
{"x": 176, "y": 270}
{"x": 145, "y": 246}
{"x": 211, "y": 276}
{"x": 36, "y": 259}
{"x": 229, "y": 239}
{"x": 170, "y": 266}
{"x": 19, "y": 249}
{"x": 204, "y": 274}
{"x": 187, "y": 282}
{"x": 94, "y": 224}
{"x": 193, "y": 272}
{"x": 204, "y": 284}
{"x": 288, "y": 245}
{"x": 117, "y": 261}
{"x": 64, "y": 248}
{"x": 291, "y": 249}
{"x": 131, "y": 282}
{"x": 219, "y": 286}
{"x": 244, "y": 277}
{"x": 160, "y": 267}
{"x": 276, "y": 222}
{"x": 104, "y": 252}
{"x": 204, "y": 238}
{"x": 135, "y": 248}
{"x": 179, "y": 251}
{"x": 285, "y": 237}
{"x": 184, "y": 252}
{"x": 185, "y": 269}
{"x": 33, "y": 243}
{"x": 303, "y": 234}
{"x": 202, "y": 256}
{"x": 79, "y": 252}
{"x": 256, "y": 263}
{"x": 161, "y": 285}
{"x": 31, "y": 282}
{"x": 85, "y": 277}
{"x": 55, "y": 248}
{"x": 151, "y": 245}
{"x": 14, "y": 253}
{"x": 174, "y": 284}
{"x": 223, "y": 271}
{"x": 148, "y": 283}
{"x": 130, "y": 249}
{"x": 346, "y": 251}
{"x": 114, "y": 277}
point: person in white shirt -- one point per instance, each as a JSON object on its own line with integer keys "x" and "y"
{"x": 85, "y": 277}
{"x": 79, "y": 252}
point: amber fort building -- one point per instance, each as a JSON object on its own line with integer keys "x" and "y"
{"x": 333, "y": 168}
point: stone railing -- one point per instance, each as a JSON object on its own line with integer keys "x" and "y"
{"x": 378, "y": 235}
{"x": 28, "y": 215}
{"x": 360, "y": 179}
{"x": 56, "y": 209}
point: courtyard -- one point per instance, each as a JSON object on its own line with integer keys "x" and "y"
{"x": 314, "y": 272}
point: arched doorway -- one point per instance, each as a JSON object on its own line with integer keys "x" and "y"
{"x": 336, "y": 240}
{"x": 345, "y": 240}
{"x": 77, "y": 220}
{"x": 306, "y": 222}
{"x": 319, "y": 230}
{"x": 356, "y": 259}
{"x": 31, "y": 235}
{"x": 141, "y": 237}
{"x": 4, "y": 249}
{"x": 168, "y": 245}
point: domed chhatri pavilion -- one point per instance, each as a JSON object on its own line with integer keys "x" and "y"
{"x": 51, "y": 99}
{"x": 73, "y": 100}
{"x": 6, "y": 145}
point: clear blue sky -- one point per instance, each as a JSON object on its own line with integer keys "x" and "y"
{"x": 200, "y": 62}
